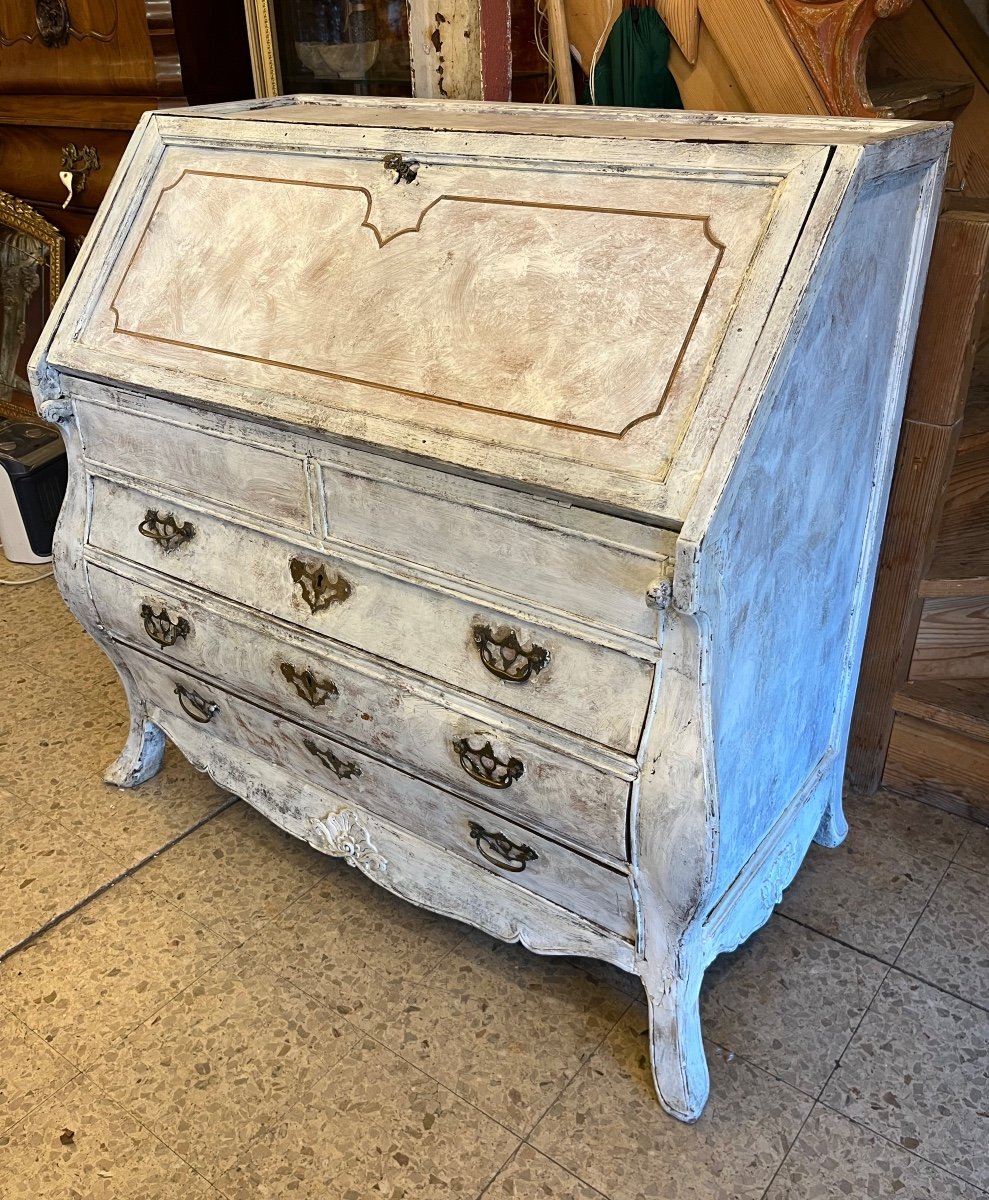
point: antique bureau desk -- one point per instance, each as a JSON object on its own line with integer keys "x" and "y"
{"x": 491, "y": 496}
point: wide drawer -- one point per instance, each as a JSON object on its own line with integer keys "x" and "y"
{"x": 600, "y": 693}
{"x": 257, "y": 480}
{"x": 446, "y": 738}
{"x": 179, "y": 702}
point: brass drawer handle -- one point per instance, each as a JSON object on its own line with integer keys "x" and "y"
{"x": 314, "y": 691}
{"x": 77, "y": 164}
{"x": 506, "y": 657}
{"x": 161, "y": 628}
{"x": 165, "y": 530}
{"x": 507, "y": 855}
{"x": 341, "y": 769}
{"x": 196, "y": 706}
{"x": 484, "y": 765}
{"x": 320, "y": 586}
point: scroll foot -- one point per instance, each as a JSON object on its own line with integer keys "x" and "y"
{"x": 141, "y": 756}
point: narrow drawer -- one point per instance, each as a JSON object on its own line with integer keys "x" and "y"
{"x": 595, "y": 566}
{"x": 253, "y": 479}
{"x": 31, "y": 158}
{"x": 469, "y": 749}
{"x": 599, "y": 693}
{"x": 180, "y": 702}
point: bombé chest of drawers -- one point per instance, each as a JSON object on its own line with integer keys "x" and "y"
{"x": 490, "y": 496}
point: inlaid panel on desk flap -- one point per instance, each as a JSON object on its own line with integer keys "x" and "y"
{"x": 467, "y": 297}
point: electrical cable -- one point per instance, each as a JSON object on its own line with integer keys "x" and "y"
{"x": 597, "y": 49}
{"x": 25, "y": 582}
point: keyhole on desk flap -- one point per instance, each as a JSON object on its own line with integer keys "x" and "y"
{"x": 405, "y": 170}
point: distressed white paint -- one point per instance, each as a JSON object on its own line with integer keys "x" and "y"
{"x": 685, "y": 742}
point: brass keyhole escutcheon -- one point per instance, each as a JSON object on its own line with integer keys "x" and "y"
{"x": 406, "y": 169}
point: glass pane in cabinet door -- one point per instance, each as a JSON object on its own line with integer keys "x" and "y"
{"x": 351, "y": 47}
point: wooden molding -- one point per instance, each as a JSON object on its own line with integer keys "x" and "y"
{"x": 833, "y": 37}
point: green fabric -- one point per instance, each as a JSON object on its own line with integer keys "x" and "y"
{"x": 633, "y": 70}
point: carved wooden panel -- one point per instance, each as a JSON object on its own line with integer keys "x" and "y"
{"x": 833, "y": 38}
{"x": 88, "y": 46}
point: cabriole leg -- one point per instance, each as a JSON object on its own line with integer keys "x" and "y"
{"x": 145, "y": 746}
{"x": 833, "y": 827}
{"x": 679, "y": 1065}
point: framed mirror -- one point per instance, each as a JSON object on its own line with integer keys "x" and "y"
{"x": 32, "y": 266}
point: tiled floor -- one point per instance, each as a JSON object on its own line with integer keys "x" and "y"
{"x": 234, "y": 1015}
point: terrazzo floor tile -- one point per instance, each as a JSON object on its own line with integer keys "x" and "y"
{"x": 908, "y": 824}
{"x": 105, "y": 970}
{"x": 870, "y": 890}
{"x": 503, "y": 1028}
{"x": 30, "y": 1070}
{"x": 55, "y": 680}
{"x": 917, "y": 1072}
{"x": 375, "y": 1126}
{"x": 81, "y": 1146}
{"x": 950, "y": 946}
{"x": 222, "y": 1060}
{"x": 354, "y": 946}
{"x": 57, "y": 766}
{"x": 236, "y": 872}
{"x": 833, "y": 1159}
{"x": 30, "y": 612}
{"x": 608, "y": 1129}
{"x": 529, "y": 1175}
{"x": 43, "y": 870}
{"x": 789, "y": 1000}
{"x": 974, "y": 852}
{"x": 604, "y": 972}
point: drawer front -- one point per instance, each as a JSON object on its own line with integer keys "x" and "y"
{"x": 32, "y": 158}
{"x": 599, "y": 693}
{"x": 468, "y": 534}
{"x": 253, "y": 479}
{"x": 424, "y": 731}
{"x": 600, "y": 894}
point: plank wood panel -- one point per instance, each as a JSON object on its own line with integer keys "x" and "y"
{"x": 952, "y": 639}
{"x": 962, "y": 705}
{"x": 917, "y": 46}
{"x": 923, "y": 461}
{"x": 954, "y": 302}
{"x": 960, "y": 565}
{"x": 967, "y": 492}
{"x": 975, "y": 424}
{"x": 708, "y": 81}
{"x": 964, "y": 30}
{"x": 928, "y": 761}
{"x": 750, "y": 31}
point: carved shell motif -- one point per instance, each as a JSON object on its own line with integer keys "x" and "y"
{"x": 342, "y": 835}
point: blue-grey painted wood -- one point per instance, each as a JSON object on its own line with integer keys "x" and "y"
{"x": 697, "y": 565}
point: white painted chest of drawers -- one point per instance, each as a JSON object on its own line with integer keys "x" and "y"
{"x": 491, "y": 496}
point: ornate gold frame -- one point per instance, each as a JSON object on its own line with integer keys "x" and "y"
{"x": 264, "y": 60}
{"x": 17, "y": 215}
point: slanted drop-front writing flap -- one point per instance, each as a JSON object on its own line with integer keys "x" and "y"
{"x": 461, "y": 305}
